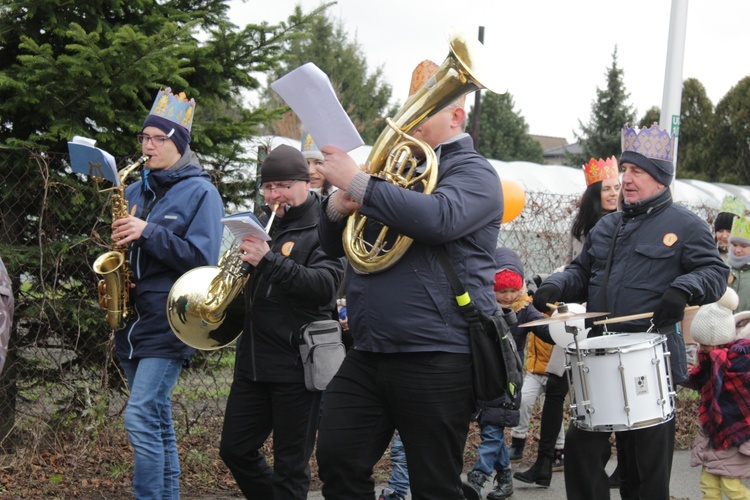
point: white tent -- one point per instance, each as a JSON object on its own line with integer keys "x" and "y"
{"x": 560, "y": 179}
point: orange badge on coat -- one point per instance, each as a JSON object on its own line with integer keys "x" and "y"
{"x": 669, "y": 239}
{"x": 286, "y": 248}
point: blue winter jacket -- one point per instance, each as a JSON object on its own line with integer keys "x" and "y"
{"x": 184, "y": 231}
{"x": 411, "y": 307}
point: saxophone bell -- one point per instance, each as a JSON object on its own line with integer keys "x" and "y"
{"x": 112, "y": 266}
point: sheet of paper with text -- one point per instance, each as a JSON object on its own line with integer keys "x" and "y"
{"x": 308, "y": 91}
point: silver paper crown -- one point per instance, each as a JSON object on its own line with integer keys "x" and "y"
{"x": 651, "y": 142}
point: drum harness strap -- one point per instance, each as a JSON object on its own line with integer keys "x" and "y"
{"x": 610, "y": 257}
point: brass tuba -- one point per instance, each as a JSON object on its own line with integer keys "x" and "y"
{"x": 112, "y": 266}
{"x": 201, "y": 307}
{"x": 392, "y": 159}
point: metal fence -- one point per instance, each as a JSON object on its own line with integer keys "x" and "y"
{"x": 61, "y": 392}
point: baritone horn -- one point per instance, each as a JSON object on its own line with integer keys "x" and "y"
{"x": 392, "y": 158}
{"x": 200, "y": 300}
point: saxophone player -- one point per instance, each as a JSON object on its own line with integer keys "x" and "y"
{"x": 174, "y": 225}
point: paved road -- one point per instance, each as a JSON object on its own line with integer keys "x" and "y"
{"x": 683, "y": 486}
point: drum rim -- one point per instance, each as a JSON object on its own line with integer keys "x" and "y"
{"x": 654, "y": 340}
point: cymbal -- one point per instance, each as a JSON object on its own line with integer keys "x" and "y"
{"x": 564, "y": 317}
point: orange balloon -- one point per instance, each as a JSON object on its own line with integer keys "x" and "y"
{"x": 514, "y": 199}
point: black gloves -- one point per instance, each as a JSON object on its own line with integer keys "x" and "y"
{"x": 671, "y": 308}
{"x": 546, "y": 293}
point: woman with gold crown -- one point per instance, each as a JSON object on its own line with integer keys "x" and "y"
{"x": 175, "y": 226}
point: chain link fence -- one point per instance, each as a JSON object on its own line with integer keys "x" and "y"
{"x": 62, "y": 395}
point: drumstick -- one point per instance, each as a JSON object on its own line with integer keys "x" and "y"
{"x": 620, "y": 319}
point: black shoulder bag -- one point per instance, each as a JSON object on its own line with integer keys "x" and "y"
{"x": 496, "y": 365}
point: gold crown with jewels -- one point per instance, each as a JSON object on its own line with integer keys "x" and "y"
{"x": 599, "y": 170}
{"x": 175, "y": 108}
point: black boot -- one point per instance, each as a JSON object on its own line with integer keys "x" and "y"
{"x": 540, "y": 473}
{"x": 503, "y": 486}
{"x": 472, "y": 487}
{"x": 516, "y": 449}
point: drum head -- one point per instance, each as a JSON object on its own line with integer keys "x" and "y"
{"x": 618, "y": 342}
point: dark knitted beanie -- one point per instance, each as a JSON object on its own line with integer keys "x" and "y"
{"x": 661, "y": 170}
{"x": 284, "y": 163}
{"x": 724, "y": 221}
{"x": 179, "y": 134}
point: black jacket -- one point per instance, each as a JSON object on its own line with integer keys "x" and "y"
{"x": 295, "y": 284}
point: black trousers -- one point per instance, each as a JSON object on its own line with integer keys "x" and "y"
{"x": 552, "y": 414}
{"x": 646, "y": 456}
{"x": 254, "y": 410}
{"x": 427, "y": 396}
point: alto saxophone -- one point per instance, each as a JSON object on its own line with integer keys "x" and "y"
{"x": 112, "y": 266}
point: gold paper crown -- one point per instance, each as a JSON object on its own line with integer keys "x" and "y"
{"x": 599, "y": 170}
{"x": 651, "y": 142}
{"x": 733, "y": 205}
{"x": 175, "y": 108}
{"x": 423, "y": 72}
{"x": 741, "y": 228}
{"x": 308, "y": 144}
{"x": 309, "y": 149}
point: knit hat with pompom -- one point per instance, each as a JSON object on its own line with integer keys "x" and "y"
{"x": 714, "y": 324}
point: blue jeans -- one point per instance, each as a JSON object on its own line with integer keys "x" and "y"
{"x": 148, "y": 421}
{"x": 492, "y": 451}
{"x": 399, "y": 480}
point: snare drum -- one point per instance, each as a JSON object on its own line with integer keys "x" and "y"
{"x": 620, "y": 382}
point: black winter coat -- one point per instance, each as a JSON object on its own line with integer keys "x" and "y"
{"x": 294, "y": 284}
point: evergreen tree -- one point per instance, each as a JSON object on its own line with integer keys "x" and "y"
{"x": 652, "y": 115}
{"x": 730, "y": 137}
{"x": 696, "y": 116}
{"x": 93, "y": 68}
{"x": 364, "y": 95}
{"x": 601, "y": 137}
{"x": 503, "y": 132}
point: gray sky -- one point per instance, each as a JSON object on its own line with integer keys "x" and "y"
{"x": 549, "y": 54}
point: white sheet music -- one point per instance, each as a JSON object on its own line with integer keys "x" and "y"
{"x": 242, "y": 225}
{"x": 308, "y": 91}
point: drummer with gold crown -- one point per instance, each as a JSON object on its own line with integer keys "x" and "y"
{"x": 173, "y": 225}
{"x": 654, "y": 256}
